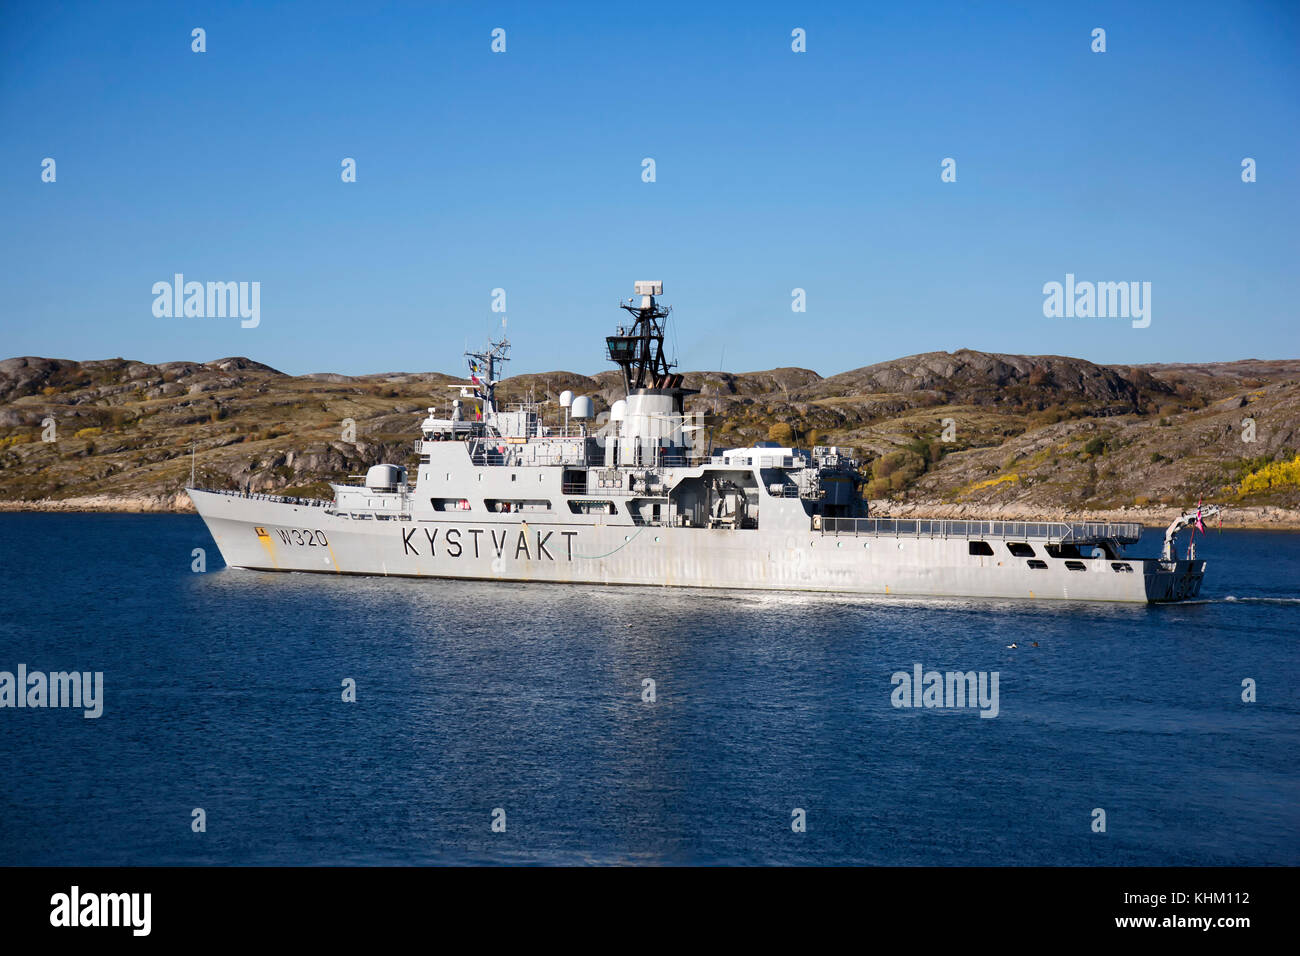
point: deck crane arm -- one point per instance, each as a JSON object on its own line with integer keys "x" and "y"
{"x": 1182, "y": 521}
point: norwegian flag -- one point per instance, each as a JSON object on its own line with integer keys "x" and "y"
{"x": 1200, "y": 525}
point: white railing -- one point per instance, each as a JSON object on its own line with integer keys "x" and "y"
{"x": 1050, "y": 531}
{"x": 277, "y": 499}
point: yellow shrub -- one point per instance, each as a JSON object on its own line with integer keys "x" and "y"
{"x": 89, "y": 432}
{"x": 989, "y": 483}
{"x": 1274, "y": 475}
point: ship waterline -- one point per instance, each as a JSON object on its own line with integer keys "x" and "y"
{"x": 641, "y": 499}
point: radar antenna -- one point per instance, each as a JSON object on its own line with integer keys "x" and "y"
{"x": 639, "y": 350}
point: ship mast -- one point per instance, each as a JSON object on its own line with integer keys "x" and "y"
{"x": 639, "y": 351}
{"x": 484, "y": 372}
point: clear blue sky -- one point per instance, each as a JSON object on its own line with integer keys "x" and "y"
{"x": 522, "y": 170}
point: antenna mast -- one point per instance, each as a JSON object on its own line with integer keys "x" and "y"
{"x": 639, "y": 351}
{"x": 484, "y": 369}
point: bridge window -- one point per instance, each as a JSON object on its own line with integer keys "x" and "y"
{"x": 981, "y": 548}
{"x": 1020, "y": 549}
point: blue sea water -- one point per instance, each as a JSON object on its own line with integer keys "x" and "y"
{"x": 223, "y": 692}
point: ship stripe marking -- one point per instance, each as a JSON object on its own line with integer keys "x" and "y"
{"x": 593, "y": 557}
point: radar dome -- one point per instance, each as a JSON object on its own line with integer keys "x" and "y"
{"x": 583, "y": 407}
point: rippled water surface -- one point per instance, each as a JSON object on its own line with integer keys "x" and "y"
{"x": 223, "y": 691}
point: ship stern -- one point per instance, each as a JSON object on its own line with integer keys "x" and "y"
{"x": 1168, "y": 582}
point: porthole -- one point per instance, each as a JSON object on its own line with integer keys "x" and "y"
{"x": 656, "y": 539}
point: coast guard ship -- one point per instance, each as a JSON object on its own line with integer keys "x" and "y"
{"x": 641, "y": 499}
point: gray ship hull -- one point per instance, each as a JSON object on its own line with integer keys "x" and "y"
{"x": 878, "y": 558}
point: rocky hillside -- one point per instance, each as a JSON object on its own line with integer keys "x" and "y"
{"x": 948, "y": 433}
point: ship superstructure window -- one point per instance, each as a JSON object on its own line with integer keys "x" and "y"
{"x": 1020, "y": 549}
{"x": 1038, "y": 565}
{"x": 450, "y": 504}
{"x": 1122, "y": 566}
{"x": 1063, "y": 551}
{"x": 573, "y": 482}
{"x": 506, "y": 505}
{"x": 981, "y": 548}
{"x": 588, "y": 507}
{"x": 1076, "y": 565}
